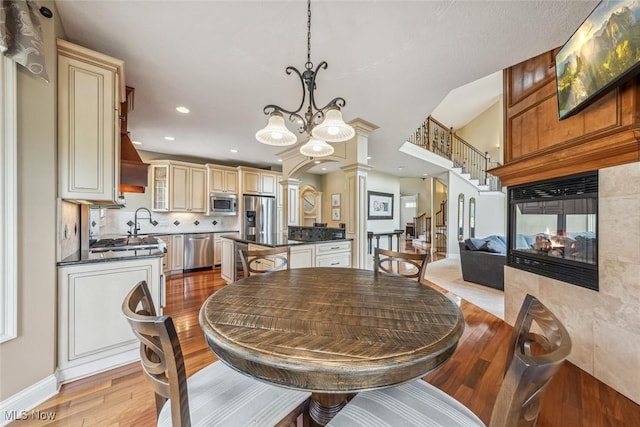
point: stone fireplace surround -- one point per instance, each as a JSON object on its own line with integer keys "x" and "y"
{"x": 605, "y": 325}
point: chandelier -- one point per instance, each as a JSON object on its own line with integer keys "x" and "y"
{"x": 321, "y": 125}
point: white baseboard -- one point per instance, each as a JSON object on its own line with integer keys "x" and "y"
{"x": 19, "y": 406}
{"x": 73, "y": 373}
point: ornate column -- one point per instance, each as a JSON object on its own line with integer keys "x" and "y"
{"x": 290, "y": 201}
{"x": 356, "y": 185}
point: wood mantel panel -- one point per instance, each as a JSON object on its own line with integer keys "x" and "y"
{"x": 537, "y": 145}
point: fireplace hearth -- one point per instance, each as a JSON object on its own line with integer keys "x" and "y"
{"x": 553, "y": 229}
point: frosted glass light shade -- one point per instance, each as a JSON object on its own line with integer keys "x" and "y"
{"x": 316, "y": 148}
{"x": 276, "y": 133}
{"x": 333, "y": 128}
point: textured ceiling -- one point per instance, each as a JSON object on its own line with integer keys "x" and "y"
{"x": 392, "y": 61}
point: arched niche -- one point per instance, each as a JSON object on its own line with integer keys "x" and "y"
{"x": 310, "y": 205}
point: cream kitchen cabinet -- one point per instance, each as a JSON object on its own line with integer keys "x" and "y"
{"x": 228, "y": 260}
{"x": 92, "y": 333}
{"x": 217, "y": 246}
{"x": 90, "y": 89}
{"x": 166, "y": 260}
{"x": 222, "y": 179}
{"x": 302, "y": 256}
{"x": 177, "y": 252}
{"x": 257, "y": 181}
{"x": 334, "y": 254}
{"x": 188, "y": 190}
{"x": 178, "y": 187}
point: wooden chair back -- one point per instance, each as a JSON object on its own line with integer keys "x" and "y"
{"x": 539, "y": 346}
{"x": 319, "y": 224}
{"x": 160, "y": 353}
{"x": 264, "y": 260}
{"x": 403, "y": 264}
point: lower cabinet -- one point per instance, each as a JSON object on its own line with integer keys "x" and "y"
{"x": 93, "y": 335}
{"x": 227, "y": 260}
{"x": 166, "y": 260}
{"x": 176, "y": 262}
{"x": 336, "y": 254}
{"x": 302, "y": 256}
{"x": 217, "y": 246}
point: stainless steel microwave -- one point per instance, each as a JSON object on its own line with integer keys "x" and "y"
{"x": 223, "y": 204}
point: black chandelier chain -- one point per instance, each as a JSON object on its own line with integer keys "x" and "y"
{"x": 308, "y": 81}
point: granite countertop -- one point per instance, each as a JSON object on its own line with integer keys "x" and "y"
{"x": 169, "y": 233}
{"x": 277, "y": 240}
{"x": 85, "y": 257}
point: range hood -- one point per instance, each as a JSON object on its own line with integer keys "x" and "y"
{"x": 133, "y": 171}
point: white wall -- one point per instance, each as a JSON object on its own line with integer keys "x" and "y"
{"x": 490, "y": 212}
{"x": 383, "y": 183}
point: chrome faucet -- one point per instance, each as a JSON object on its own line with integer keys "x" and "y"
{"x": 136, "y": 226}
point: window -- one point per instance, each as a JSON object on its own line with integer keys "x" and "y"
{"x": 8, "y": 216}
{"x": 410, "y": 205}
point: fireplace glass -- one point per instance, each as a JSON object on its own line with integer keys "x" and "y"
{"x": 553, "y": 229}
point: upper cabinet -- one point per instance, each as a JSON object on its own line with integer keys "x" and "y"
{"x": 90, "y": 89}
{"x": 178, "y": 186}
{"x": 258, "y": 181}
{"x": 222, "y": 179}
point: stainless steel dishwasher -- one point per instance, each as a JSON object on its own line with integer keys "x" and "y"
{"x": 198, "y": 251}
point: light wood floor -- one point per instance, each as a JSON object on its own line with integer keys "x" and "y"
{"x": 121, "y": 397}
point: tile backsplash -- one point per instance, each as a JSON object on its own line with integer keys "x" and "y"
{"x": 110, "y": 222}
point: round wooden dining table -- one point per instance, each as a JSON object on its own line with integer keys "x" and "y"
{"x": 331, "y": 331}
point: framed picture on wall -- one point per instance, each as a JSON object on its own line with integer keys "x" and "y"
{"x": 380, "y": 205}
{"x": 335, "y": 199}
{"x": 335, "y": 214}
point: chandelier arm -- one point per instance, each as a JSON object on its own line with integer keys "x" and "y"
{"x": 312, "y": 83}
{"x": 338, "y": 102}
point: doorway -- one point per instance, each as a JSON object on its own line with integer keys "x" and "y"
{"x": 408, "y": 211}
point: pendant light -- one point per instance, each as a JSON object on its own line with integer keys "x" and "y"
{"x": 321, "y": 124}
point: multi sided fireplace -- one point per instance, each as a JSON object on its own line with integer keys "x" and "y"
{"x": 553, "y": 229}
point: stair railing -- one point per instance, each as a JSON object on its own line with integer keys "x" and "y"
{"x": 441, "y": 215}
{"x": 442, "y": 140}
{"x": 422, "y": 224}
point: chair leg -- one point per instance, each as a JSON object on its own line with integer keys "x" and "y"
{"x": 160, "y": 401}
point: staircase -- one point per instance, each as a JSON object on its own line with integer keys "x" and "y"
{"x": 467, "y": 160}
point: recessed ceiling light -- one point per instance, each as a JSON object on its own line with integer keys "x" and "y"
{"x": 183, "y": 110}
{"x": 324, "y": 169}
{"x": 137, "y": 142}
{"x": 368, "y": 157}
{"x": 424, "y": 174}
{"x": 169, "y": 138}
{"x": 280, "y": 160}
{"x": 400, "y": 168}
{"x": 233, "y": 150}
{"x": 317, "y": 162}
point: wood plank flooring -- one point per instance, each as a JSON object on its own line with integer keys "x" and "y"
{"x": 121, "y": 397}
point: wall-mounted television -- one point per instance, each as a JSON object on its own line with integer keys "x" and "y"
{"x": 602, "y": 53}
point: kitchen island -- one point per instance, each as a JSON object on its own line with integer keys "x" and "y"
{"x": 333, "y": 252}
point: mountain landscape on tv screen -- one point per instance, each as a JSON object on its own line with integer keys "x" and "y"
{"x": 610, "y": 53}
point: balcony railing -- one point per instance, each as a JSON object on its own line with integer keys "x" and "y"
{"x": 443, "y": 141}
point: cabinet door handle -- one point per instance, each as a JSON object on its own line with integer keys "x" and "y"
{"x": 335, "y": 263}
{"x": 336, "y": 248}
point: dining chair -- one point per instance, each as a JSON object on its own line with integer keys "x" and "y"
{"x": 264, "y": 260}
{"x": 409, "y": 265}
{"x": 319, "y": 224}
{"x": 539, "y": 345}
{"x": 214, "y": 396}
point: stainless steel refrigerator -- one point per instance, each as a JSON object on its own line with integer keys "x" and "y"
{"x": 259, "y": 216}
